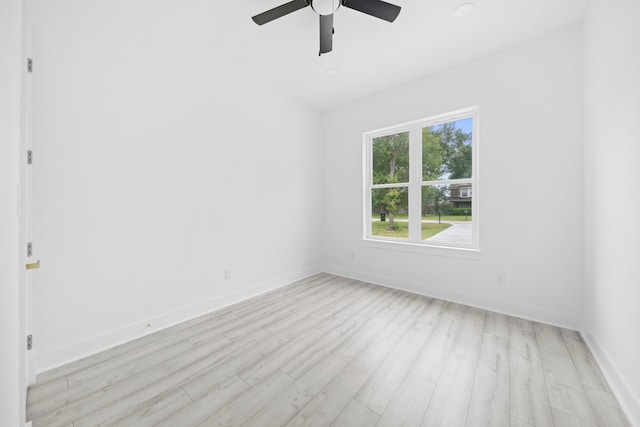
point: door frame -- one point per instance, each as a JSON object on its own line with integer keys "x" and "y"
{"x": 26, "y": 198}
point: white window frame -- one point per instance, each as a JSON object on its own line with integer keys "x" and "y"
{"x": 414, "y": 241}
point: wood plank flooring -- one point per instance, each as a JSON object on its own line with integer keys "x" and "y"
{"x": 330, "y": 351}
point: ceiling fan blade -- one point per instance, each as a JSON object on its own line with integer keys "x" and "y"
{"x": 280, "y": 11}
{"x": 326, "y": 33}
{"x": 378, "y": 8}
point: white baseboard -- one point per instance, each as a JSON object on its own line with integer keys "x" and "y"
{"x": 68, "y": 353}
{"x": 627, "y": 398}
{"x": 499, "y": 306}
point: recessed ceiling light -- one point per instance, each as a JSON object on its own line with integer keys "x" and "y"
{"x": 463, "y": 10}
{"x": 332, "y": 71}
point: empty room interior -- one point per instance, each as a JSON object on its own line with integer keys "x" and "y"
{"x": 337, "y": 213}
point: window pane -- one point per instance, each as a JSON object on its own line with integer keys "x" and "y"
{"x": 390, "y": 212}
{"x": 446, "y": 214}
{"x": 391, "y": 158}
{"x": 446, "y": 150}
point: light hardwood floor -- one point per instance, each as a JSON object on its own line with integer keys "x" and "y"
{"x": 329, "y": 351}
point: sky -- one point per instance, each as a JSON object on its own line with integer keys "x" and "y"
{"x": 465, "y": 125}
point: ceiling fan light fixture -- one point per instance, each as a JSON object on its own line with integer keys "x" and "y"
{"x": 325, "y": 7}
{"x": 463, "y": 10}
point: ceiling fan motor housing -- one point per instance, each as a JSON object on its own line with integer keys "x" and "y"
{"x": 325, "y": 7}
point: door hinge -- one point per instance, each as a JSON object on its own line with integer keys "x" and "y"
{"x": 29, "y": 157}
{"x": 30, "y": 65}
{"x": 29, "y": 249}
{"x": 29, "y": 342}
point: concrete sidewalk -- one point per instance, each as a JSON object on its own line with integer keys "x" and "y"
{"x": 459, "y": 233}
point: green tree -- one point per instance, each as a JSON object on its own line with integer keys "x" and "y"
{"x": 436, "y": 200}
{"x": 446, "y": 154}
{"x": 457, "y": 150}
{"x": 390, "y": 166}
{"x": 433, "y": 155}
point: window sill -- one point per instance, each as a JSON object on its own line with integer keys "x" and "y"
{"x": 447, "y": 251}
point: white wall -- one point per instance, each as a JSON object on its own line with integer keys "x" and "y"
{"x": 159, "y": 164}
{"x": 531, "y": 172}
{"x": 612, "y": 202}
{"x": 12, "y": 384}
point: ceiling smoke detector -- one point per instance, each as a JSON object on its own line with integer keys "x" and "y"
{"x": 463, "y": 10}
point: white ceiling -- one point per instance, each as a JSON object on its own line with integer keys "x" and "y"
{"x": 372, "y": 55}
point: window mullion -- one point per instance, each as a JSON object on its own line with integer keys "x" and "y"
{"x": 415, "y": 168}
{"x": 449, "y": 181}
{"x": 395, "y": 185}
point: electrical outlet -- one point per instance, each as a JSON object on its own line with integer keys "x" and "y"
{"x": 227, "y": 273}
{"x": 501, "y": 279}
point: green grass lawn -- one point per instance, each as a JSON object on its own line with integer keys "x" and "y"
{"x": 448, "y": 217}
{"x": 402, "y": 229}
{"x": 434, "y": 217}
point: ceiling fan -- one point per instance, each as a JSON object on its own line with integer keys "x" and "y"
{"x": 325, "y": 8}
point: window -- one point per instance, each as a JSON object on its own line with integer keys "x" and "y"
{"x": 421, "y": 182}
